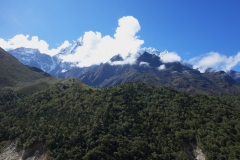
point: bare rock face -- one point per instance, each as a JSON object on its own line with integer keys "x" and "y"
{"x": 193, "y": 151}
{"x": 198, "y": 153}
{"x": 11, "y": 152}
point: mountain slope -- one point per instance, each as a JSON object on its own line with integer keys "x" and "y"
{"x": 13, "y": 72}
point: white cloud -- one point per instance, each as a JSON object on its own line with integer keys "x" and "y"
{"x": 162, "y": 67}
{"x": 26, "y": 41}
{"x": 168, "y": 57}
{"x": 215, "y": 61}
{"x": 98, "y": 49}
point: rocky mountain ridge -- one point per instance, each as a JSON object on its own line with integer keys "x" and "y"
{"x": 151, "y": 70}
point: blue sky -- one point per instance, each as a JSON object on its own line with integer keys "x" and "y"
{"x": 195, "y": 29}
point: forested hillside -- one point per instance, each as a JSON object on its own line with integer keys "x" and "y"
{"x": 130, "y": 121}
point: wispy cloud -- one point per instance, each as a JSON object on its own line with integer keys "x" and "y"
{"x": 215, "y": 61}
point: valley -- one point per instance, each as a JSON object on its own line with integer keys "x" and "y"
{"x": 119, "y": 80}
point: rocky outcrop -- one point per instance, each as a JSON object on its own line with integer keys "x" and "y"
{"x": 12, "y": 152}
{"x": 193, "y": 151}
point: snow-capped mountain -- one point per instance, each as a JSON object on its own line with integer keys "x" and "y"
{"x": 52, "y": 65}
{"x": 71, "y": 49}
{"x": 148, "y": 57}
{"x": 55, "y": 65}
{"x": 150, "y": 50}
{"x": 32, "y": 57}
{"x": 62, "y": 66}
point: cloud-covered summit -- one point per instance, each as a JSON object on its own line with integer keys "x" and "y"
{"x": 98, "y": 49}
{"x": 95, "y": 47}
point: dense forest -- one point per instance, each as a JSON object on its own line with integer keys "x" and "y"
{"x": 130, "y": 121}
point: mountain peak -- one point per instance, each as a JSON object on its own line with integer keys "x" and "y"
{"x": 71, "y": 49}
{"x": 116, "y": 58}
{"x": 163, "y": 53}
{"x": 152, "y": 59}
{"x": 150, "y": 50}
{"x": 209, "y": 70}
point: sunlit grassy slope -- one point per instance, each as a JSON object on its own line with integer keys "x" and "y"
{"x": 12, "y": 72}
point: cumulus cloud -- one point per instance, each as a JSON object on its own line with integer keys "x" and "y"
{"x": 168, "y": 57}
{"x": 98, "y": 49}
{"x": 30, "y": 42}
{"x": 215, "y": 61}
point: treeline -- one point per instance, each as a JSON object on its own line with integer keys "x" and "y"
{"x": 130, "y": 121}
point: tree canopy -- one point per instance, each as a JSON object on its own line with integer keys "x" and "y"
{"x": 130, "y": 121}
